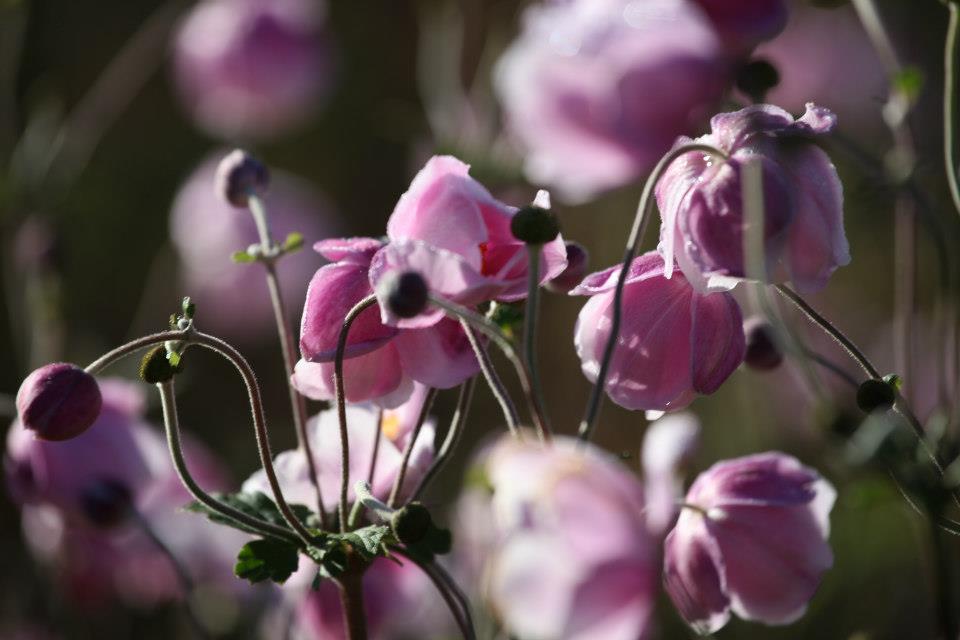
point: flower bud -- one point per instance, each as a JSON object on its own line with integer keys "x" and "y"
{"x": 58, "y": 401}
{"x": 763, "y": 353}
{"x": 875, "y": 395}
{"x": 578, "y": 259}
{"x": 156, "y": 368}
{"x": 405, "y": 294}
{"x": 106, "y": 503}
{"x": 411, "y": 523}
{"x": 239, "y": 176}
{"x": 534, "y": 225}
{"x": 756, "y": 78}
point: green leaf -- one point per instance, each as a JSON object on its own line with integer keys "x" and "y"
{"x": 332, "y": 558}
{"x": 294, "y": 242}
{"x": 258, "y": 505}
{"x": 266, "y": 559}
{"x": 242, "y": 257}
{"x": 369, "y": 540}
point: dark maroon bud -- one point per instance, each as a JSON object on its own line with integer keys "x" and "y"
{"x": 578, "y": 259}
{"x": 58, "y": 401}
{"x": 763, "y": 353}
{"x": 240, "y": 176}
{"x": 405, "y": 294}
{"x": 106, "y": 503}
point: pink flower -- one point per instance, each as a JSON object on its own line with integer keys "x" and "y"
{"x": 363, "y": 428}
{"x": 674, "y": 341}
{"x": 700, "y": 199}
{"x": 669, "y": 444}
{"x": 381, "y": 361}
{"x": 248, "y": 68}
{"x": 450, "y": 229}
{"x": 597, "y": 90}
{"x": 753, "y": 542}
{"x": 232, "y": 299}
{"x": 400, "y": 602}
{"x": 569, "y": 555}
{"x": 743, "y": 24}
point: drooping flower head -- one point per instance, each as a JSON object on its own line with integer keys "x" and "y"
{"x": 701, "y": 200}
{"x": 58, "y": 401}
{"x": 753, "y": 541}
{"x": 597, "y": 90}
{"x": 568, "y": 555}
{"x": 674, "y": 341}
{"x": 251, "y": 69}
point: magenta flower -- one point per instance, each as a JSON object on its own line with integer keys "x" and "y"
{"x": 674, "y": 342}
{"x": 381, "y": 361}
{"x": 232, "y": 299}
{"x": 364, "y": 428}
{"x": 597, "y": 90}
{"x": 743, "y": 24}
{"x": 248, "y": 68}
{"x": 448, "y": 228}
{"x": 58, "y": 401}
{"x": 753, "y": 541}
{"x": 700, "y": 199}
{"x": 569, "y": 555}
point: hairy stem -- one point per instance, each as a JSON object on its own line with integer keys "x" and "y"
{"x": 496, "y": 385}
{"x": 397, "y": 488}
{"x": 530, "y": 321}
{"x": 457, "y": 424}
{"x": 351, "y": 599}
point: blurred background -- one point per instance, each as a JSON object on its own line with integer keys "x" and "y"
{"x": 109, "y": 119}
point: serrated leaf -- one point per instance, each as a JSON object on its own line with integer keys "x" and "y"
{"x": 258, "y": 505}
{"x": 266, "y": 559}
{"x": 294, "y": 242}
{"x": 242, "y": 257}
{"x": 369, "y": 540}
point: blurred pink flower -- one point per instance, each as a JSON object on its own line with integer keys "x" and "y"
{"x": 450, "y": 229}
{"x": 364, "y": 428}
{"x": 743, "y": 24}
{"x": 753, "y": 541}
{"x": 232, "y": 299}
{"x": 381, "y": 362}
{"x": 567, "y": 553}
{"x": 674, "y": 342}
{"x": 700, "y": 199}
{"x": 669, "y": 444}
{"x": 252, "y": 69}
{"x": 597, "y": 90}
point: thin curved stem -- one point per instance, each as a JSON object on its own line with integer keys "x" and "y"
{"x": 260, "y": 427}
{"x": 530, "y": 321}
{"x": 114, "y": 355}
{"x": 457, "y": 424}
{"x": 342, "y": 404}
{"x": 950, "y": 102}
{"x": 172, "y": 426}
{"x": 832, "y": 367}
{"x": 452, "y": 595}
{"x": 376, "y": 447}
{"x": 496, "y": 385}
{"x": 640, "y": 221}
{"x": 408, "y": 450}
{"x": 297, "y": 403}
{"x": 492, "y": 331}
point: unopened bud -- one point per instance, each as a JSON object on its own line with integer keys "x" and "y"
{"x": 763, "y": 353}
{"x": 875, "y": 395}
{"x": 155, "y": 367}
{"x": 757, "y": 78}
{"x": 534, "y": 225}
{"x": 58, "y": 401}
{"x": 405, "y": 294}
{"x": 411, "y": 523}
{"x": 239, "y": 176}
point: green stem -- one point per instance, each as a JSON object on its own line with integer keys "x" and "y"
{"x": 496, "y": 385}
{"x": 457, "y": 424}
{"x": 287, "y": 347}
{"x": 531, "y": 319}
{"x": 397, "y": 488}
{"x": 640, "y": 221}
{"x": 950, "y": 102}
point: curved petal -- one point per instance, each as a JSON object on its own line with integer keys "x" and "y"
{"x": 693, "y": 574}
{"x": 376, "y": 376}
{"x": 717, "y": 342}
{"x": 439, "y": 356}
{"x": 353, "y": 250}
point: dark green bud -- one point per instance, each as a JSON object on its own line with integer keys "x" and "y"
{"x": 535, "y": 225}
{"x": 411, "y": 523}
{"x": 155, "y": 368}
{"x": 875, "y": 395}
{"x": 405, "y": 294}
{"x": 757, "y": 78}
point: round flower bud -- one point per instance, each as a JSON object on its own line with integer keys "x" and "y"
{"x": 58, "y": 401}
{"x": 534, "y": 225}
{"x": 405, "y": 294}
{"x": 239, "y": 176}
{"x": 155, "y": 368}
{"x": 106, "y": 503}
{"x": 756, "y": 78}
{"x": 578, "y": 260}
{"x": 411, "y": 523}
{"x": 874, "y": 395}
{"x": 763, "y": 353}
